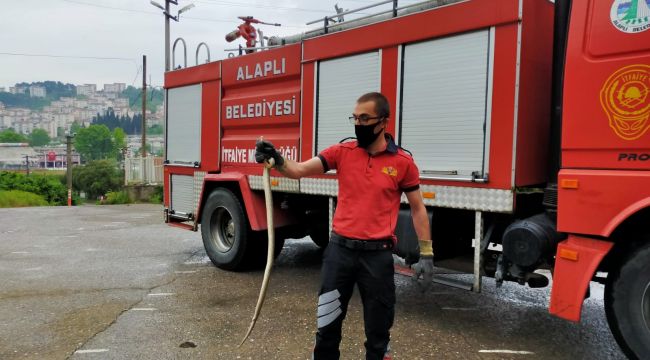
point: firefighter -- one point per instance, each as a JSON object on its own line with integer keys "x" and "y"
{"x": 373, "y": 172}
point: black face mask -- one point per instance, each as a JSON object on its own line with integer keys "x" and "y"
{"x": 366, "y": 134}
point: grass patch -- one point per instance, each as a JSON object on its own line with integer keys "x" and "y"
{"x": 117, "y": 197}
{"x": 157, "y": 196}
{"x": 18, "y": 198}
{"x": 50, "y": 187}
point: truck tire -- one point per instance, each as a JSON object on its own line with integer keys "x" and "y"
{"x": 256, "y": 258}
{"x": 320, "y": 238}
{"x": 225, "y": 231}
{"x": 627, "y": 303}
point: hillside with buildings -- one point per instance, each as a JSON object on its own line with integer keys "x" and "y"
{"x": 58, "y": 117}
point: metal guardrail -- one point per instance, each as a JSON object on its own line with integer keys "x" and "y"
{"x": 174, "y": 52}
{"x": 148, "y": 170}
{"x": 327, "y": 19}
{"x": 199, "y": 48}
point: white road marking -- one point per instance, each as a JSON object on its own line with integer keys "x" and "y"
{"x": 185, "y": 272}
{"x": 459, "y": 309}
{"x": 162, "y": 294}
{"x": 71, "y": 236}
{"x": 91, "y": 351}
{"x": 20, "y": 252}
{"x": 144, "y": 309}
{"x": 34, "y": 269}
{"x": 506, "y": 352}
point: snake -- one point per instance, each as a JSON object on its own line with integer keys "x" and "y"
{"x": 268, "y": 200}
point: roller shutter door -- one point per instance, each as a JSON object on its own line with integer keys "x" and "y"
{"x": 184, "y": 125}
{"x": 444, "y": 104}
{"x": 340, "y": 83}
{"x": 182, "y": 194}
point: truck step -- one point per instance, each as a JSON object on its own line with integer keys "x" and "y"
{"x": 181, "y": 225}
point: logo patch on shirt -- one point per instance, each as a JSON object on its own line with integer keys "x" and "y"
{"x": 389, "y": 170}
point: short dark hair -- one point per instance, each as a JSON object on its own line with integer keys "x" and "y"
{"x": 381, "y": 103}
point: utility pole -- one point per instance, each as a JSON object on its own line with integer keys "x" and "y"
{"x": 168, "y": 16}
{"x": 167, "y": 51}
{"x": 144, "y": 118}
{"x": 124, "y": 151}
{"x": 69, "y": 166}
{"x": 27, "y": 163}
{"x": 144, "y": 106}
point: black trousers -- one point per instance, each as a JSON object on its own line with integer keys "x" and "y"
{"x": 373, "y": 272}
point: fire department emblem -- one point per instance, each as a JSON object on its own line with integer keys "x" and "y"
{"x": 390, "y": 171}
{"x": 631, "y": 16}
{"x": 625, "y": 97}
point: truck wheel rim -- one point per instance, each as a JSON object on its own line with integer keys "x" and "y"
{"x": 645, "y": 307}
{"x": 223, "y": 230}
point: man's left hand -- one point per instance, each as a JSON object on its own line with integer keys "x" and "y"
{"x": 424, "y": 269}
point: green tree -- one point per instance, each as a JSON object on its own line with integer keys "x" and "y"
{"x": 49, "y": 187}
{"x": 155, "y": 97}
{"x": 11, "y": 136}
{"x": 131, "y": 126}
{"x": 97, "y": 178}
{"x": 54, "y": 91}
{"x": 147, "y": 147}
{"x": 39, "y": 137}
{"x": 94, "y": 143}
{"x": 119, "y": 141}
{"x": 75, "y": 127}
{"x": 155, "y": 130}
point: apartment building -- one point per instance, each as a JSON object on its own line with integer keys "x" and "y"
{"x": 115, "y": 88}
{"x": 86, "y": 89}
{"x": 37, "y": 91}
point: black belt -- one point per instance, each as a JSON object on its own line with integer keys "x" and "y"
{"x": 354, "y": 244}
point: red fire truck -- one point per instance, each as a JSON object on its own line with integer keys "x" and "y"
{"x": 529, "y": 121}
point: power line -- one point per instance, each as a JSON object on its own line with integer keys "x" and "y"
{"x": 67, "y": 56}
{"x": 110, "y": 7}
{"x": 259, "y": 6}
{"x": 271, "y": 7}
{"x": 156, "y": 14}
{"x": 136, "y": 75}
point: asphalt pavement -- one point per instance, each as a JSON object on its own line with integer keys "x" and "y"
{"x": 115, "y": 282}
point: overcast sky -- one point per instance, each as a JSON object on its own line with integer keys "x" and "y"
{"x": 65, "y": 31}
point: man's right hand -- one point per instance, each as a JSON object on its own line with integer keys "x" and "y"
{"x": 264, "y": 150}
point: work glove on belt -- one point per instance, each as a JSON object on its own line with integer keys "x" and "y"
{"x": 265, "y": 150}
{"x": 424, "y": 267}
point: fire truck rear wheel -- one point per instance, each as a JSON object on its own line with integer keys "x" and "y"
{"x": 225, "y": 230}
{"x": 627, "y": 303}
{"x": 320, "y": 238}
